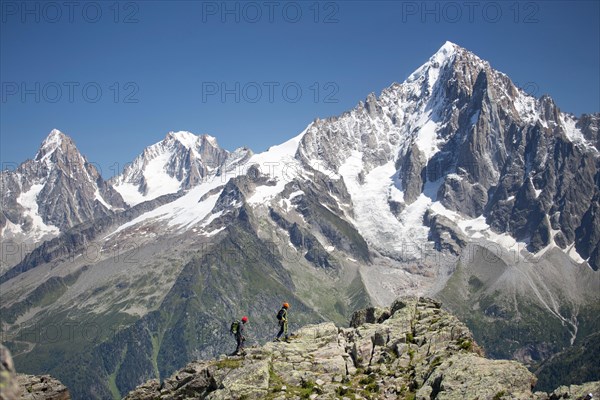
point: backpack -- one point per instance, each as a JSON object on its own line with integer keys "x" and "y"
{"x": 280, "y": 314}
{"x": 233, "y": 329}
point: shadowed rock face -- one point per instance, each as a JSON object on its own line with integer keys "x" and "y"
{"x": 15, "y": 386}
{"x": 413, "y": 348}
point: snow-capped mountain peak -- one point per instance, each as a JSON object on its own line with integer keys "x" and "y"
{"x": 180, "y": 161}
{"x": 53, "y": 192}
{"x": 54, "y": 138}
{"x": 190, "y": 140}
{"x": 453, "y": 117}
{"x": 186, "y": 138}
{"x": 54, "y": 141}
{"x": 441, "y": 58}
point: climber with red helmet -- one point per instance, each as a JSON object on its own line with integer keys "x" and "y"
{"x": 237, "y": 330}
{"x": 282, "y": 317}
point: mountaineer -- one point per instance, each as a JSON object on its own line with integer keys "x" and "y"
{"x": 282, "y": 317}
{"x": 237, "y": 329}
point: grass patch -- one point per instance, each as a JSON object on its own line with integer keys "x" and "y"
{"x": 155, "y": 349}
{"x": 465, "y": 344}
{"x": 228, "y": 364}
{"x": 411, "y": 354}
{"x": 499, "y": 395}
{"x": 372, "y": 387}
{"x": 307, "y": 388}
{"x": 275, "y": 381}
{"x": 436, "y": 362}
{"x": 344, "y": 391}
{"x": 112, "y": 385}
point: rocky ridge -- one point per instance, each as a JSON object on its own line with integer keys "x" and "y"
{"x": 412, "y": 350}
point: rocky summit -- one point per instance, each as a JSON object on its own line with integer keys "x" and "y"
{"x": 411, "y": 350}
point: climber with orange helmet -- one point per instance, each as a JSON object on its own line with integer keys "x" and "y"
{"x": 282, "y": 317}
{"x": 237, "y": 329}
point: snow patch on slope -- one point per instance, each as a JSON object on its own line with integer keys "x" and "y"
{"x": 525, "y": 106}
{"x": 188, "y": 139}
{"x": 432, "y": 66}
{"x": 29, "y": 202}
{"x": 182, "y": 213}
{"x": 477, "y": 228}
{"x": 99, "y": 197}
{"x": 573, "y": 133}
{"x": 280, "y": 165}
{"x": 149, "y": 171}
{"x": 158, "y": 181}
{"x": 427, "y": 140}
{"x": 372, "y": 215}
{"x": 130, "y": 193}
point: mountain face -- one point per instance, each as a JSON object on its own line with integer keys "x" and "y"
{"x": 457, "y": 139}
{"x": 454, "y": 183}
{"x": 55, "y": 191}
{"x": 179, "y": 162}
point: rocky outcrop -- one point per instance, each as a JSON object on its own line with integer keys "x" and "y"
{"x": 413, "y": 349}
{"x": 9, "y": 388}
{"x": 445, "y": 234}
{"x": 15, "y": 386}
{"x": 579, "y": 392}
{"x": 457, "y": 193}
{"x": 42, "y": 387}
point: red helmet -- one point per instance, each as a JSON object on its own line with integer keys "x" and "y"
{"x": 244, "y": 319}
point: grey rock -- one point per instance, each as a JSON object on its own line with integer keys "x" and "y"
{"x": 589, "y": 125}
{"x": 42, "y": 387}
{"x": 576, "y": 391}
{"x": 468, "y": 198}
{"x": 371, "y": 315}
{"x": 418, "y": 346}
{"x": 9, "y": 387}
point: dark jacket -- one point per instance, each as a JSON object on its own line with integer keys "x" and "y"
{"x": 284, "y": 316}
{"x": 240, "y": 329}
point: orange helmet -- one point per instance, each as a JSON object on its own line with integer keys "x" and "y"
{"x": 244, "y": 319}
{"x": 286, "y": 305}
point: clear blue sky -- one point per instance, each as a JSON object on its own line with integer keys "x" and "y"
{"x": 169, "y": 55}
